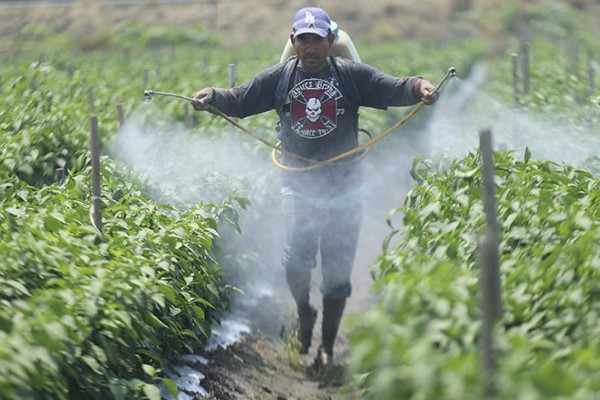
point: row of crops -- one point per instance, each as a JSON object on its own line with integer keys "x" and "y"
{"x": 424, "y": 339}
{"x": 89, "y": 316}
{"x": 83, "y": 315}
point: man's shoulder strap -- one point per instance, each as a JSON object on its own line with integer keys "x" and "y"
{"x": 342, "y": 72}
{"x": 284, "y": 82}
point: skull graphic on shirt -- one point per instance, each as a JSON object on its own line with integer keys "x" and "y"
{"x": 314, "y": 107}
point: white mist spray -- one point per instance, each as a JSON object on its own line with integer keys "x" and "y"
{"x": 466, "y": 109}
{"x": 191, "y": 166}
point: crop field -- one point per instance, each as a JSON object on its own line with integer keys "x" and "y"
{"x": 99, "y": 309}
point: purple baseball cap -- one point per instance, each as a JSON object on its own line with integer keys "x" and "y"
{"x": 311, "y": 20}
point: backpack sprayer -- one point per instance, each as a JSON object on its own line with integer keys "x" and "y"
{"x": 148, "y": 94}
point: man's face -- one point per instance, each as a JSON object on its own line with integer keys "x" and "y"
{"x": 312, "y": 50}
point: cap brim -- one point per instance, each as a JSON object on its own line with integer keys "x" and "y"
{"x": 316, "y": 31}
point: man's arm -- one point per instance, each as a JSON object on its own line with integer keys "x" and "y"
{"x": 252, "y": 97}
{"x": 379, "y": 90}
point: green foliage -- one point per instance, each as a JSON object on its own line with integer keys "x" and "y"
{"x": 82, "y": 318}
{"x": 77, "y": 316}
{"x": 421, "y": 340}
{"x": 138, "y": 33}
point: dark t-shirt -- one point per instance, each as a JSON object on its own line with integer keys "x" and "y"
{"x": 320, "y": 118}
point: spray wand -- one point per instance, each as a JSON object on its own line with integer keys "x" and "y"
{"x": 315, "y": 163}
{"x": 149, "y": 93}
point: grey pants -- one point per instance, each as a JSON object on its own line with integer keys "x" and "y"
{"x": 332, "y": 231}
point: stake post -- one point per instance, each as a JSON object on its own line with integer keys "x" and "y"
{"x": 491, "y": 301}
{"x": 95, "y": 149}
{"x": 515, "y": 77}
{"x": 121, "y": 114}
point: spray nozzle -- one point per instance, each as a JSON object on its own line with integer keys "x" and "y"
{"x": 149, "y": 93}
{"x": 451, "y": 73}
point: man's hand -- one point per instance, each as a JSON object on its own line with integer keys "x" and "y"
{"x": 202, "y": 98}
{"x": 425, "y": 90}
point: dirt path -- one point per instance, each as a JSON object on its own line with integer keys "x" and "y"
{"x": 259, "y": 367}
{"x": 264, "y": 365}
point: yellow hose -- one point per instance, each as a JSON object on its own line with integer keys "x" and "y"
{"x": 341, "y": 156}
{"x": 316, "y": 163}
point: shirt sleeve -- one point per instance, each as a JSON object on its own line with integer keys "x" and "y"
{"x": 252, "y": 97}
{"x": 379, "y": 90}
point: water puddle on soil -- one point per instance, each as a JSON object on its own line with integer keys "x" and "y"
{"x": 187, "y": 374}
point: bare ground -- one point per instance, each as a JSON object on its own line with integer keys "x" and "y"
{"x": 265, "y": 363}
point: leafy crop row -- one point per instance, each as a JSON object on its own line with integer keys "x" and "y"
{"x": 421, "y": 341}
{"x": 82, "y": 317}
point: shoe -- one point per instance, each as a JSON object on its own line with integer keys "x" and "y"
{"x": 305, "y": 330}
{"x": 333, "y": 310}
{"x": 323, "y": 360}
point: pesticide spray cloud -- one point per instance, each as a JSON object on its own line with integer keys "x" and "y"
{"x": 452, "y": 131}
{"x": 182, "y": 164}
{"x": 189, "y": 166}
{"x": 465, "y": 109}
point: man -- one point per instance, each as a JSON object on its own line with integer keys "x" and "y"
{"x": 317, "y": 99}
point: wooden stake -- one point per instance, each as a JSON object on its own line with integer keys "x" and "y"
{"x": 49, "y": 101}
{"x": 92, "y": 99}
{"x": 491, "y": 298}
{"x": 524, "y": 57}
{"x": 573, "y": 56}
{"x": 96, "y": 200}
{"x": 59, "y": 174}
{"x": 120, "y": 114}
{"x": 515, "y": 78}
{"x": 126, "y": 57}
{"x": 591, "y": 72}
{"x": 146, "y": 78}
{"x": 231, "y": 75}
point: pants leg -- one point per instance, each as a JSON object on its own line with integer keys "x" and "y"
{"x": 339, "y": 239}
{"x": 299, "y": 258}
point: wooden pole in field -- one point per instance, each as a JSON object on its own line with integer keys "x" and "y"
{"x": 92, "y": 99}
{"x": 591, "y": 72}
{"x": 126, "y": 56}
{"x": 573, "y": 56}
{"x": 524, "y": 58}
{"x": 49, "y": 101}
{"x": 96, "y": 200}
{"x": 491, "y": 297}
{"x": 120, "y": 114}
{"x": 59, "y": 174}
{"x": 231, "y": 75}
{"x": 515, "y": 78}
{"x": 146, "y": 78}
